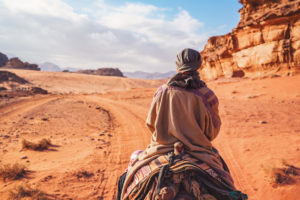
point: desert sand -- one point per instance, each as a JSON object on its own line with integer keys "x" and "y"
{"x": 96, "y": 122}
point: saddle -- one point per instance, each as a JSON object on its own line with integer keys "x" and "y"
{"x": 178, "y": 176}
{"x": 179, "y": 186}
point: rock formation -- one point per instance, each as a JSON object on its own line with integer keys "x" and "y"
{"x": 12, "y": 85}
{"x": 103, "y": 72}
{"x": 6, "y": 76}
{"x": 38, "y": 90}
{"x": 16, "y": 63}
{"x": 3, "y": 59}
{"x": 265, "y": 42}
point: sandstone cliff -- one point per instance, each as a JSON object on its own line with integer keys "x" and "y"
{"x": 16, "y": 63}
{"x": 265, "y": 42}
{"x": 103, "y": 72}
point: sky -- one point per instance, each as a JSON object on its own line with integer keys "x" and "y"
{"x": 135, "y": 35}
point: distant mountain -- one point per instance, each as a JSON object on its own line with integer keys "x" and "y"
{"x": 146, "y": 75}
{"x": 102, "y": 72}
{"x": 49, "y": 67}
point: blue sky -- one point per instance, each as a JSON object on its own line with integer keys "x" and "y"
{"x": 214, "y": 13}
{"x": 131, "y": 35}
{"x": 219, "y": 16}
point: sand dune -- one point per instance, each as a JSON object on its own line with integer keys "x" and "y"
{"x": 96, "y": 122}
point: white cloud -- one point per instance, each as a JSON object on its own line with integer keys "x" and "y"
{"x": 186, "y": 23}
{"x": 54, "y": 8}
{"x": 133, "y": 36}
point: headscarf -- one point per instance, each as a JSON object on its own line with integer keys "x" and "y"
{"x": 188, "y": 61}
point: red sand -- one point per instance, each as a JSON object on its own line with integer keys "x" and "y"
{"x": 96, "y": 131}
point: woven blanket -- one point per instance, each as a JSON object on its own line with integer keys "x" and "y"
{"x": 143, "y": 184}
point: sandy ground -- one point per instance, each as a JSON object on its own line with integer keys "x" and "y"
{"x": 96, "y": 122}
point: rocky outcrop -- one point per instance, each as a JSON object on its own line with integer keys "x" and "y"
{"x": 6, "y": 76}
{"x": 12, "y": 86}
{"x": 16, "y": 63}
{"x": 265, "y": 42}
{"x": 37, "y": 90}
{"x": 103, "y": 72}
{"x": 3, "y": 59}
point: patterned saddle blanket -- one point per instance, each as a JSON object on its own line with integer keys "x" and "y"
{"x": 188, "y": 178}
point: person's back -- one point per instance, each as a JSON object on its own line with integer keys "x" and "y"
{"x": 184, "y": 110}
{"x": 187, "y": 115}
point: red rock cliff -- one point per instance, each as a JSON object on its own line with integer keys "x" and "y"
{"x": 265, "y": 42}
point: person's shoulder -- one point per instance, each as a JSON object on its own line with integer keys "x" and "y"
{"x": 160, "y": 90}
{"x": 208, "y": 95}
{"x": 165, "y": 88}
{"x": 206, "y": 91}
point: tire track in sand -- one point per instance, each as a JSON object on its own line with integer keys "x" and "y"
{"x": 24, "y": 105}
{"x": 129, "y": 134}
{"x": 235, "y": 169}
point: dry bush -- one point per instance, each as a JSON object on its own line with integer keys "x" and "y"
{"x": 83, "y": 174}
{"x": 43, "y": 144}
{"x": 285, "y": 175}
{"x": 21, "y": 191}
{"x": 12, "y": 172}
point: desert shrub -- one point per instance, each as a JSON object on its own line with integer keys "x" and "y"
{"x": 83, "y": 174}
{"x": 21, "y": 191}
{"x": 12, "y": 172}
{"x": 43, "y": 144}
{"x": 285, "y": 175}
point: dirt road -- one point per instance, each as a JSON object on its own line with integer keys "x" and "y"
{"x": 92, "y": 133}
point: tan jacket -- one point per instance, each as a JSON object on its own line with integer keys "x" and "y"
{"x": 190, "y": 116}
{"x": 176, "y": 114}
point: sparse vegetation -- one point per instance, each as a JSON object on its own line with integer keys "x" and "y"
{"x": 284, "y": 176}
{"x": 12, "y": 172}
{"x": 43, "y": 144}
{"x": 21, "y": 191}
{"x": 83, "y": 174}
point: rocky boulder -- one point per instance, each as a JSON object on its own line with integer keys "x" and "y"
{"x": 266, "y": 41}
{"x": 38, "y": 90}
{"x": 103, "y": 72}
{"x": 3, "y": 59}
{"x": 16, "y": 63}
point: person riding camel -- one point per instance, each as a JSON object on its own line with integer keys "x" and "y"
{"x": 181, "y": 162}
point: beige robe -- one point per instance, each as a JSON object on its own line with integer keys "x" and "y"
{"x": 190, "y": 116}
